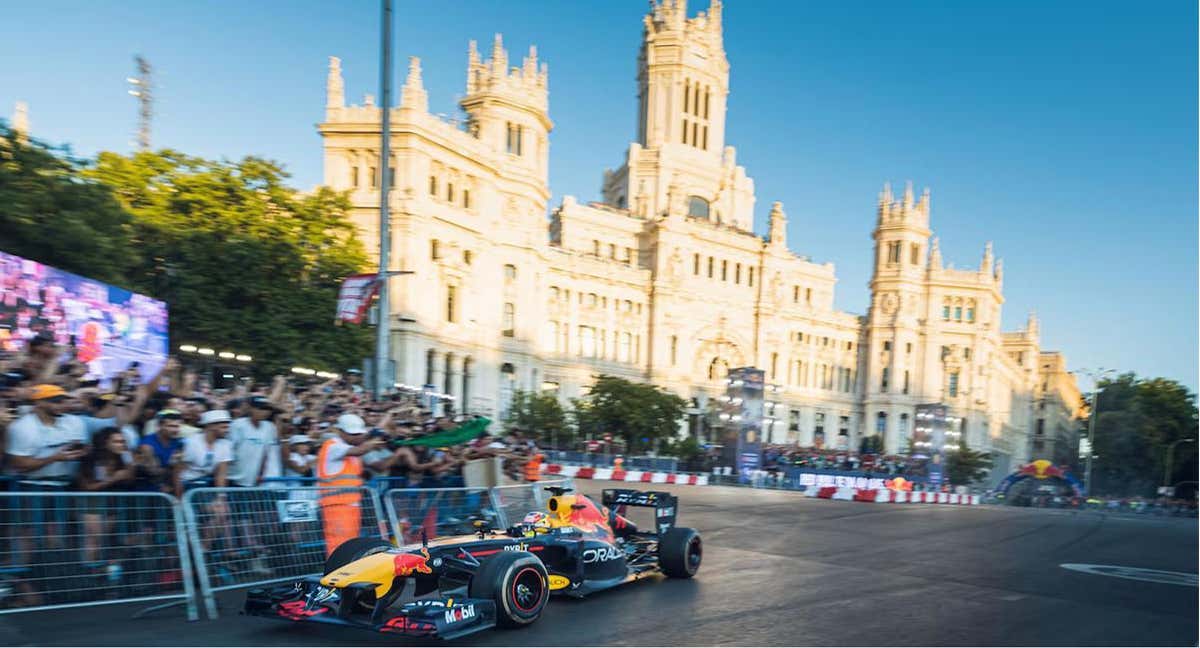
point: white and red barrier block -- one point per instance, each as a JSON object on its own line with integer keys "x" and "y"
{"x": 617, "y": 474}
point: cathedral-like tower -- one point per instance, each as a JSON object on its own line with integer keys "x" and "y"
{"x": 683, "y": 84}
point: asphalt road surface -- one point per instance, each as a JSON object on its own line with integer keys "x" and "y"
{"x": 780, "y": 569}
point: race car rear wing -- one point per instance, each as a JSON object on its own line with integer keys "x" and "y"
{"x": 663, "y": 503}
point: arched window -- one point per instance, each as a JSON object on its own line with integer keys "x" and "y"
{"x": 717, "y": 369}
{"x": 697, "y": 207}
{"x": 510, "y": 273}
{"x": 880, "y": 423}
{"x": 508, "y": 326}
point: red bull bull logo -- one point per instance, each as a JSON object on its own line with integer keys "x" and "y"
{"x": 407, "y": 564}
{"x": 898, "y": 484}
{"x": 1041, "y": 469}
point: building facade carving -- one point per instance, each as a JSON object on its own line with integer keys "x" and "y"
{"x": 664, "y": 280}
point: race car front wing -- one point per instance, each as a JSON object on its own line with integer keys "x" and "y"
{"x": 309, "y": 601}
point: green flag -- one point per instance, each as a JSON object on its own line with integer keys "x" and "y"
{"x": 467, "y": 431}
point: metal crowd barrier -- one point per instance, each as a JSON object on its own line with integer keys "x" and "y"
{"x": 72, "y": 549}
{"x": 244, "y": 537}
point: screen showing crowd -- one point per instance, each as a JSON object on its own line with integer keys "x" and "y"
{"x": 106, "y": 328}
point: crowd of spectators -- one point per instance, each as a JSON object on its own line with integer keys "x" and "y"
{"x": 174, "y": 431}
{"x": 781, "y": 457}
{"x": 63, "y": 432}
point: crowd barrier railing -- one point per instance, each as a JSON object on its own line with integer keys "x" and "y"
{"x": 244, "y": 537}
{"x": 62, "y": 549}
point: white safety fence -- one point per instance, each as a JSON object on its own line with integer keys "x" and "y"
{"x": 244, "y": 537}
{"x": 72, "y": 549}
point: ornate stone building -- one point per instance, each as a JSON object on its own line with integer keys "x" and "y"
{"x": 665, "y": 280}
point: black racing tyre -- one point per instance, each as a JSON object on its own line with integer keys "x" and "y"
{"x": 352, "y": 550}
{"x": 517, "y": 582}
{"x": 679, "y": 552}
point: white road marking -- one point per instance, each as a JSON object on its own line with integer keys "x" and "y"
{"x": 1135, "y": 573}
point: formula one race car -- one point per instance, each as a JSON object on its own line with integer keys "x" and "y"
{"x": 465, "y": 584}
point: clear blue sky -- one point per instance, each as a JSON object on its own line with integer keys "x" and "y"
{"x": 1066, "y": 132}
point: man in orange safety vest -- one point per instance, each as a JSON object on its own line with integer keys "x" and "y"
{"x": 339, "y": 475}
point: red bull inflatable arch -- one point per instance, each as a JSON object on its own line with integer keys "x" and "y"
{"x": 1040, "y": 469}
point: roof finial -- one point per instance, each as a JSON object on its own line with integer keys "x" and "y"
{"x": 413, "y": 94}
{"x": 335, "y": 91}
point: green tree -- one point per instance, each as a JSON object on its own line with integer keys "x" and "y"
{"x": 52, "y": 214}
{"x": 966, "y": 466}
{"x": 687, "y": 448}
{"x": 245, "y": 262}
{"x": 1137, "y": 420}
{"x": 639, "y": 413}
{"x": 539, "y": 415}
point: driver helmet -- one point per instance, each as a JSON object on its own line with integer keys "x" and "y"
{"x": 536, "y": 519}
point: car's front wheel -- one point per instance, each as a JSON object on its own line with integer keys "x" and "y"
{"x": 517, "y": 582}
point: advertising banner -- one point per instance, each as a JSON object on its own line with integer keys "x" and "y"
{"x": 104, "y": 327}
{"x": 354, "y": 297}
{"x": 746, "y": 389}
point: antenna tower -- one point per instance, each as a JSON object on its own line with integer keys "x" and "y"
{"x": 143, "y": 89}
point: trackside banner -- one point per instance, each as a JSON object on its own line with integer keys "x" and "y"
{"x": 354, "y": 297}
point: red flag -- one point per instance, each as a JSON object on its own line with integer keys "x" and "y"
{"x": 355, "y": 297}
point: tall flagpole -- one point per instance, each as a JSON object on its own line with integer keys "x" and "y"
{"x": 383, "y": 328}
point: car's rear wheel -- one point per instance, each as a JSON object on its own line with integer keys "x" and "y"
{"x": 680, "y": 552}
{"x": 517, "y": 582}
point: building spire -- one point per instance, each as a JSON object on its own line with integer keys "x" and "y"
{"x": 413, "y": 93}
{"x": 986, "y": 265}
{"x": 714, "y": 16}
{"x": 908, "y": 194}
{"x": 885, "y": 196}
{"x": 935, "y": 255}
{"x": 777, "y": 225}
{"x": 20, "y": 122}
{"x": 335, "y": 90}
{"x": 499, "y": 57}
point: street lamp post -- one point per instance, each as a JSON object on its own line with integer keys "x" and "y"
{"x": 1095, "y": 376}
{"x": 1170, "y": 460}
{"x": 383, "y": 322}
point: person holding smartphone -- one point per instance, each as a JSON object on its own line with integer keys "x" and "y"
{"x": 47, "y": 443}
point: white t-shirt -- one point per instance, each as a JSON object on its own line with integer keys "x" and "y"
{"x": 302, "y": 459}
{"x": 250, "y": 444}
{"x": 200, "y": 460}
{"x": 29, "y": 437}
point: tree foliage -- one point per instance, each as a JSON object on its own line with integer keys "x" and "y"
{"x": 1137, "y": 420}
{"x": 966, "y": 466}
{"x": 538, "y": 415}
{"x": 245, "y": 262}
{"x": 51, "y": 213}
{"x": 639, "y": 413}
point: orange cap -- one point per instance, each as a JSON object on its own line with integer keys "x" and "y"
{"x": 42, "y": 392}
